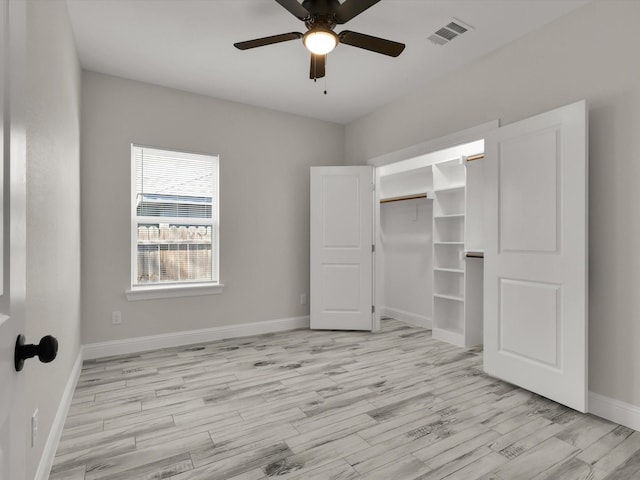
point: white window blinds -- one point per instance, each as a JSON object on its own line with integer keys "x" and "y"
{"x": 174, "y": 217}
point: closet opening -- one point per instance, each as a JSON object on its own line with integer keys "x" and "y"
{"x": 429, "y": 252}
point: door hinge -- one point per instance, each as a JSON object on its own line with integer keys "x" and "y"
{"x": 373, "y": 309}
{"x": 373, "y": 248}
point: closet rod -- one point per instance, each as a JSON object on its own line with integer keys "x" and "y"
{"x": 479, "y": 156}
{"x": 474, "y": 254}
{"x": 406, "y": 197}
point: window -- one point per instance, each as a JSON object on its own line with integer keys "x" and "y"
{"x": 174, "y": 219}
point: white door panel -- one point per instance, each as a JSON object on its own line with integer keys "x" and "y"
{"x": 341, "y": 257}
{"x": 12, "y": 244}
{"x": 533, "y": 320}
{"x": 528, "y": 185}
{"x": 536, "y": 257}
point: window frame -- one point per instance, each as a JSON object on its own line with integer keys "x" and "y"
{"x": 177, "y": 288}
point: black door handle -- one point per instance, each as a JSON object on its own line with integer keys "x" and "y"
{"x": 46, "y": 350}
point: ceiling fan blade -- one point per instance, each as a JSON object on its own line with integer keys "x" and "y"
{"x": 318, "y": 63}
{"x": 373, "y": 44}
{"x": 261, "y": 42}
{"x": 295, "y": 8}
{"x": 352, "y": 8}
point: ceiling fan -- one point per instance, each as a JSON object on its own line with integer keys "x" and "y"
{"x": 321, "y": 17}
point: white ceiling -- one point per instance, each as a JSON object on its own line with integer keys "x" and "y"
{"x": 188, "y": 45}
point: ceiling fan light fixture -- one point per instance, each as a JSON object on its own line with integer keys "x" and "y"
{"x": 320, "y": 41}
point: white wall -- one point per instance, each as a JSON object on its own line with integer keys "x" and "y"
{"x": 588, "y": 54}
{"x": 264, "y": 206}
{"x": 406, "y": 241}
{"x": 53, "y": 210}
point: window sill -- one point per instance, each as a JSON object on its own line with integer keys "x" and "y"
{"x": 171, "y": 291}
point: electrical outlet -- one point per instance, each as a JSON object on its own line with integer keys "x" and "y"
{"x": 116, "y": 317}
{"x": 303, "y": 299}
{"x": 34, "y": 428}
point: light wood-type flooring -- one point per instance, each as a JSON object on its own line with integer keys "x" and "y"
{"x": 314, "y": 405}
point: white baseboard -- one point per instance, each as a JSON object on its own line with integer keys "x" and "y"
{"x": 403, "y": 316}
{"x": 177, "y": 339}
{"x": 615, "y": 410}
{"x": 49, "y": 452}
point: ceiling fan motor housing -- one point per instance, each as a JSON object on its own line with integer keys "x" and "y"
{"x": 321, "y": 7}
{"x": 322, "y": 14}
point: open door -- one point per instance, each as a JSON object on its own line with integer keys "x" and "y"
{"x": 535, "y": 280}
{"x": 12, "y": 238}
{"x": 341, "y": 295}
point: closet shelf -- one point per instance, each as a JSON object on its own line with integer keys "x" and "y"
{"x": 457, "y": 298}
{"x": 449, "y": 189}
{"x": 454, "y": 215}
{"x": 448, "y": 243}
{"x": 451, "y": 270}
{"x": 452, "y": 163}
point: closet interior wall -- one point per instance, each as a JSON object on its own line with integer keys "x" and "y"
{"x": 406, "y": 231}
{"x": 406, "y": 240}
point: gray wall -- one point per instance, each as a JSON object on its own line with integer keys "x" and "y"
{"x": 264, "y": 205}
{"x": 588, "y": 54}
{"x": 53, "y": 209}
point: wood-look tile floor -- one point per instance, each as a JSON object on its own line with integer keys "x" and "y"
{"x": 327, "y": 405}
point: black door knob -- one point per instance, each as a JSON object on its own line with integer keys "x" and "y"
{"x": 46, "y": 350}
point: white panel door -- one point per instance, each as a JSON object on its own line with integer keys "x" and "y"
{"x": 341, "y": 257}
{"x": 12, "y": 153}
{"x": 535, "y": 279}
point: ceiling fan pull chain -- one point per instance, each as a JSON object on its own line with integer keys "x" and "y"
{"x": 326, "y": 59}
{"x": 315, "y": 68}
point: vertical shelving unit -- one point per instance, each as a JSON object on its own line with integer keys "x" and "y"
{"x": 455, "y": 308}
{"x": 474, "y": 249}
